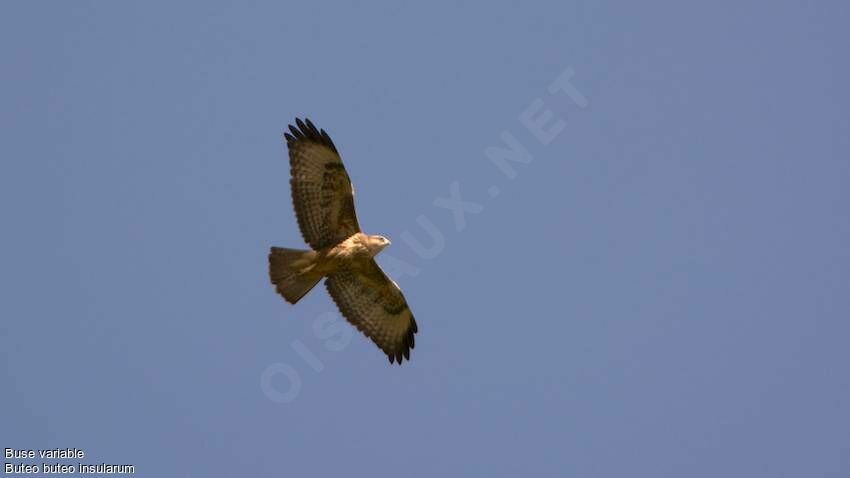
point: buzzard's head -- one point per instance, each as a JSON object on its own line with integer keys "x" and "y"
{"x": 377, "y": 243}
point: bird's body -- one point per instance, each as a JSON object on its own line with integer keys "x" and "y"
{"x": 355, "y": 253}
{"x": 357, "y": 250}
{"x": 341, "y": 252}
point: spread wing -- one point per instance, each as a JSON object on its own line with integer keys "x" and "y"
{"x": 321, "y": 190}
{"x": 375, "y": 305}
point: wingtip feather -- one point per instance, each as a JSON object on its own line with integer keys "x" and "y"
{"x": 306, "y": 130}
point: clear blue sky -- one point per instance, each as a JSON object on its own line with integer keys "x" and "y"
{"x": 663, "y": 291}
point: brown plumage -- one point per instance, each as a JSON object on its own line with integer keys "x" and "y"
{"x": 324, "y": 207}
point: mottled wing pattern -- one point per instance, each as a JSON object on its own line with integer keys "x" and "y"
{"x": 321, "y": 190}
{"x": 375, "y": 305}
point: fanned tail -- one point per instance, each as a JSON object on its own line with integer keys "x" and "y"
{"x": 289, "y": 271}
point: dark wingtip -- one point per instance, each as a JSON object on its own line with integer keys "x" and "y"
{"x": 307, "y": 131}
{"x": 313, "y": 130}
{"x": 409, "y": 342}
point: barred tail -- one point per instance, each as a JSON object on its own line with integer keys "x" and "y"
{"x": 289, "y": 270}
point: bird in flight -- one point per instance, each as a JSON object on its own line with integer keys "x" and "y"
{"x": 339, "y": 251}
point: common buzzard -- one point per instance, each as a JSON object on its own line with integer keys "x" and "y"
{"x": 340, "y": 251}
